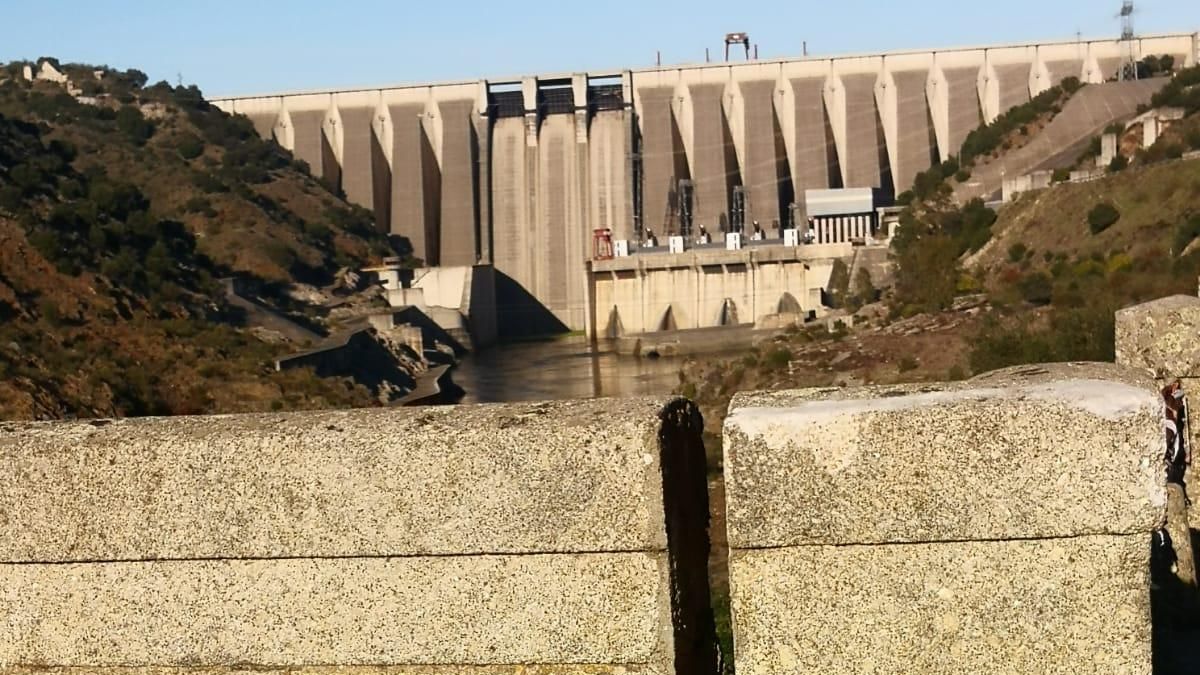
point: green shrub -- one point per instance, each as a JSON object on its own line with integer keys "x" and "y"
{"x": 1186, "y": 233}
{"x": 190, "y": 146}
{"x": 907, "y": 364}
{"x": 1016, "y": 252}
{"x": 988, "y": 138}
{"x": 134, "y": 125}
{"x": 1036, "y": 288}
{"x": 200, "y": 205}
{"x": 209, "y": 183}
{"x": 1060, "y": 176}
{"x": 1102, "y": 216}
{"x": 962, "y": 175}
{"x": 949, "y": 167}
{"x": 1118, "y": 262}
{"x": 1082, "y": 334}
{"x": 1118, "y": 163}
{"x": 777, "y": 358}
{"x": 1093, "y": 150}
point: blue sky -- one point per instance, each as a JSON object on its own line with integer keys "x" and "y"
{"x": 251, "y": 46}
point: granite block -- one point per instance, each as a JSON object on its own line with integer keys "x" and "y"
{"x": 1035, "y": 452}
{"x": 1075, "y": 605}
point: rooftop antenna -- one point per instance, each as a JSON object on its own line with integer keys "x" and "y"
{"x": 1129, "y": 66}
{"x": 737, "y": 39}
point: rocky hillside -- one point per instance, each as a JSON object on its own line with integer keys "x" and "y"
{"x": 122, "y": 206}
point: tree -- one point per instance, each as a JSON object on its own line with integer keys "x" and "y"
{"x": 927, "y": 274}
{"x": 134, "y": 125}
{"x": 190, "y": 146}
{"x": 136, "y": 77}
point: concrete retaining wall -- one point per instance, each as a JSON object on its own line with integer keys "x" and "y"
{"x": 997, "y": 525}
{"x": 479, "y": 539}
{"x": 708, "y": 287}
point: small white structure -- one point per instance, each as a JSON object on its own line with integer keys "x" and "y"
{"x": 1038, "y": 180}
{"x": 733, "y": 241}
{"x": 791, "y": 237}
{"x": 840, "y": 216}
{"x": 1108, "y": 150}
{"x": 675, "y": 244}
{"x": 621, "y": 248}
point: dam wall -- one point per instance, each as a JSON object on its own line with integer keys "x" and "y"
{"x": 995, "y": 525}
{"x": 538, "y": 538}
{"x": 520, "y": 171}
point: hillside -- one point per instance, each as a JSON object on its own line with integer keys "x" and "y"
{"x": 121, "y": 208}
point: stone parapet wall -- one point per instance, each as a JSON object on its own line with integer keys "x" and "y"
{"x": 1161, "y": 337}
{"x": 999, "y": 525}
{"x": 475, "y": 539}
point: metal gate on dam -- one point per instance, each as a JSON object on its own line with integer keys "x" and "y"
{"x": 518, "y": 172}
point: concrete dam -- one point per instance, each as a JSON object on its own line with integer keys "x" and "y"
{"x": 519, "y": 172}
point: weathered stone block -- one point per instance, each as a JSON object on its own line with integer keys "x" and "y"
{"x": 531, "y": 478}
{"x": 544, "y": 539}
{"x": 574, "y": 669}
{"x": 1162, "y": 337}
{"x": 1075, "y": 605}
{"x": 999, "y": 525}
{"x": 1046, "y": 452}
{"x": 457, "y": 610}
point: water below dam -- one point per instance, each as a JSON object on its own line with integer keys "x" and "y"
{"x": 562, "y": 368}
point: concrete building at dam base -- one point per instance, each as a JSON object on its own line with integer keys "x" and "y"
{"x": 521, "y": 173}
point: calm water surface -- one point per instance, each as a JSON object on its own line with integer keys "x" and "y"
{"x": 563, "y": 368}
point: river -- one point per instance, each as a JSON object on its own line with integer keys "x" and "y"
{"x": 561, "y": 368}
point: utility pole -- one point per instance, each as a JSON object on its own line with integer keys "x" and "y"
{"x": 1129, "y": 61}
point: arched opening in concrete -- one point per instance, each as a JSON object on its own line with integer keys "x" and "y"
{"x": 667, "y": 322}
{"x": 614, "y": 328}
{"x": 729, "y": 314}
{"x": 788, "y": 304}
